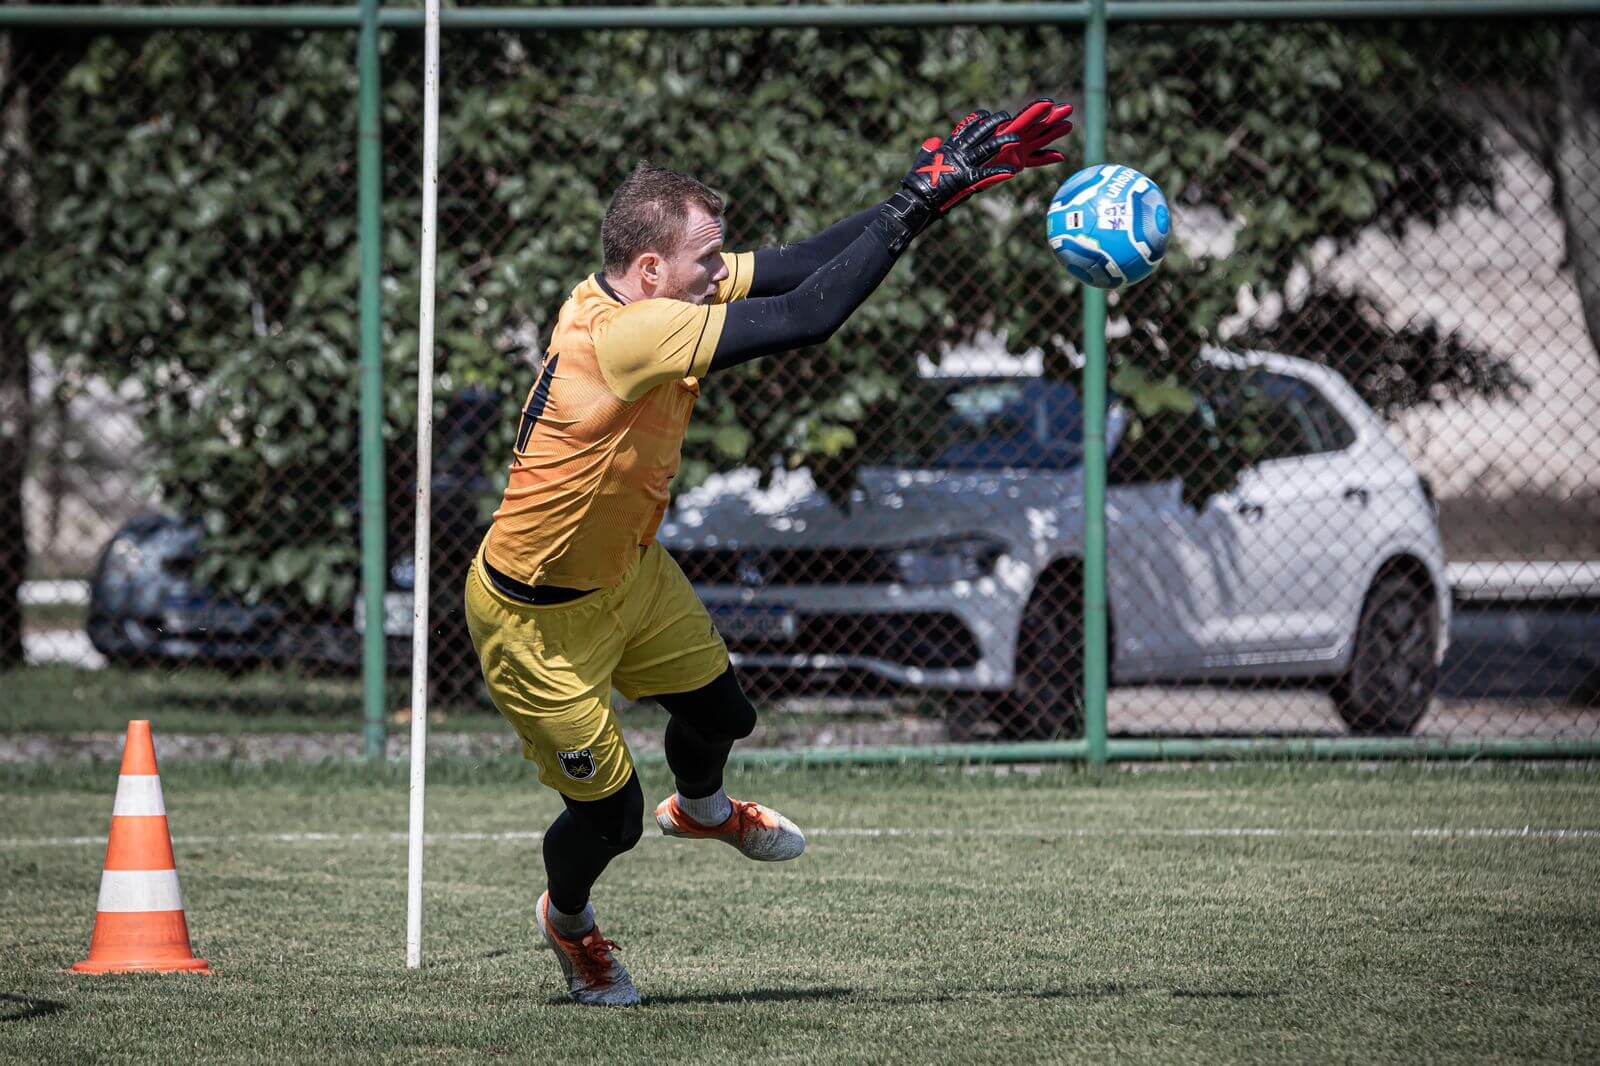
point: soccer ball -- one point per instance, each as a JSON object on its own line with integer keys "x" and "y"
{"x": 1109, "y": 224}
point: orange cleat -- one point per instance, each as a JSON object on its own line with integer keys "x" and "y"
{"x": 758, "y": 832}
{"x": 594, "y": 976}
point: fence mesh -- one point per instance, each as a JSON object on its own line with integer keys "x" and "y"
{"x": 179, "y": 309}
{"x": 1354, "y": 467}
{"x": 1442, "y": 171}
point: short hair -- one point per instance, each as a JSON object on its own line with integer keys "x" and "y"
{"x": 647, "y": 214}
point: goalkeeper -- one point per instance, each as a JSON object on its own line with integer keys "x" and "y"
{"x": 570, "y": 594}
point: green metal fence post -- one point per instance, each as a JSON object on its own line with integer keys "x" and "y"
{"x": 1095, "y": 650}
{"x": 373, "y": 524}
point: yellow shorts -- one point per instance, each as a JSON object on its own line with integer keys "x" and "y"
{"x": 550, "y": 669}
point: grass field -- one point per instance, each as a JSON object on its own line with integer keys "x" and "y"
{"x": 62, "y": 699}
{"x": 1247, "y": 914}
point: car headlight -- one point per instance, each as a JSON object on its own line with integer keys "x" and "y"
{"x": 155, "y": 559}
{"x": 125, "y": 559}
{"x": 944, "y": 562}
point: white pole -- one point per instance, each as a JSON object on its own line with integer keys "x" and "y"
{"x": 419, "y": 606}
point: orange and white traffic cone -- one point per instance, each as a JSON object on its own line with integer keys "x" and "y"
{"x": 140, "y": 927}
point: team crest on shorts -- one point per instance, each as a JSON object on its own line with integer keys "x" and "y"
{"x": 578, "y": 765}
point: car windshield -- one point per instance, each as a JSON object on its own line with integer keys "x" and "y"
{"x": 991, "y": 424}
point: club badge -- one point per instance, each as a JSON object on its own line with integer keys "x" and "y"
{"x": 578, "y": 765}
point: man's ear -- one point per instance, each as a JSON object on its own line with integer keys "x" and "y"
{"x": 650, "y": 268}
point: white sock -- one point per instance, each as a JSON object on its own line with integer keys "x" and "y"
{"x": 707, "y": 810}
{"x": 571, "y": 926}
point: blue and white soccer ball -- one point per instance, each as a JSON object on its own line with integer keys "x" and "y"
{"x": 1109, "y": 224}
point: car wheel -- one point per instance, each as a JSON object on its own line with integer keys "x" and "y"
{"x": 972, "y": 717}
{"x": 1587, "y": 692}
{"x": 1046, "y": 700}
{"x": 1393, "y": 671}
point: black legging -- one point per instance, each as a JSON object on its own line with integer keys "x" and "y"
{"x": 590, "y": 833}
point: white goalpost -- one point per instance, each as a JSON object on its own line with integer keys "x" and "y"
{"x": 419, "y": 591}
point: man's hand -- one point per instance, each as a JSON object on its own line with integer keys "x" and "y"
{"x": 948, "y": 172}
{"x": 1040, "y": 123}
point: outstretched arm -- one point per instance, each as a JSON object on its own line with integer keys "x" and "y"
{"x": 944, "y": 175}
{"x": 810, "y": 313}
{"x": 786, "y": 267}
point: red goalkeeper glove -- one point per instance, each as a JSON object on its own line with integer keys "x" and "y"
{"x": 945, "y": 173}
{"x": 949, "y": 171}
{"x": 1040, "y": 123}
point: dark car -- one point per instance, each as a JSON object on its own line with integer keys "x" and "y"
{"x": 147, "y": 608}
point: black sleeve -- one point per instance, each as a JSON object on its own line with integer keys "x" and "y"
{"x": 810, "y": 313}
{"x": 781, "y": 269}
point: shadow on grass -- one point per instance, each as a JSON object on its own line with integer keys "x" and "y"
{"x": 756, "y": 995}
{"x": 30, "y": 1007}
{"x": 1091, "y": 991}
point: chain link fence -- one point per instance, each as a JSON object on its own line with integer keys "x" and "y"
{"x": 179, "y": 316}
{"x": 1354, "y": 463}
{"x": 1449, "y": 168}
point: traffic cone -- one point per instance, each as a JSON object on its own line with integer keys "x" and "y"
{"x": 140, "y": 926}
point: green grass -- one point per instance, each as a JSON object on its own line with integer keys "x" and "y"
{"x": 1063, "y": 916}
{"x": 62, "y": 699}
{"x": 41, "y": 616}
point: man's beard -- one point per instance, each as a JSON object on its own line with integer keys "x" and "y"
{"x": 684, "y": 293}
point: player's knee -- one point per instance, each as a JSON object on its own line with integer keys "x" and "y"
{"x": 718, "y": 711}
{"x": 629, "y": 832}
{"x": 740, "y": 719}
{"x": 728, "y": 718}
{"x": 618, "y": 820}
{"x": 620, "y": 833}
{"x": 627, "y": 823}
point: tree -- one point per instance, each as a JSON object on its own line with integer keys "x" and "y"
{"x": 199, "y": 243}
{"x": 27, "y": 77}
{"x": 1577, "y": 164}
{"x": 1542, "y": 87}
{"x": 204, "y": 184}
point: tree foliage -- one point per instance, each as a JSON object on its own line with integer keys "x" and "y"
{"x": 197, "y": 233}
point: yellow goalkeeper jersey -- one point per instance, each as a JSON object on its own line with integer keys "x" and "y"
{"x": 601, "y": 434}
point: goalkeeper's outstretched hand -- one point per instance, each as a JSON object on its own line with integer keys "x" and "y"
{"x": 1036, "y": 126}
{"x": 949, "y": 171}
{"x": 1022, "y": 143}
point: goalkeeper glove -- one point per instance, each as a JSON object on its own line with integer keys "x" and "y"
{"x": 1040, "y": 123}
{"x": 947, "y": 172}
